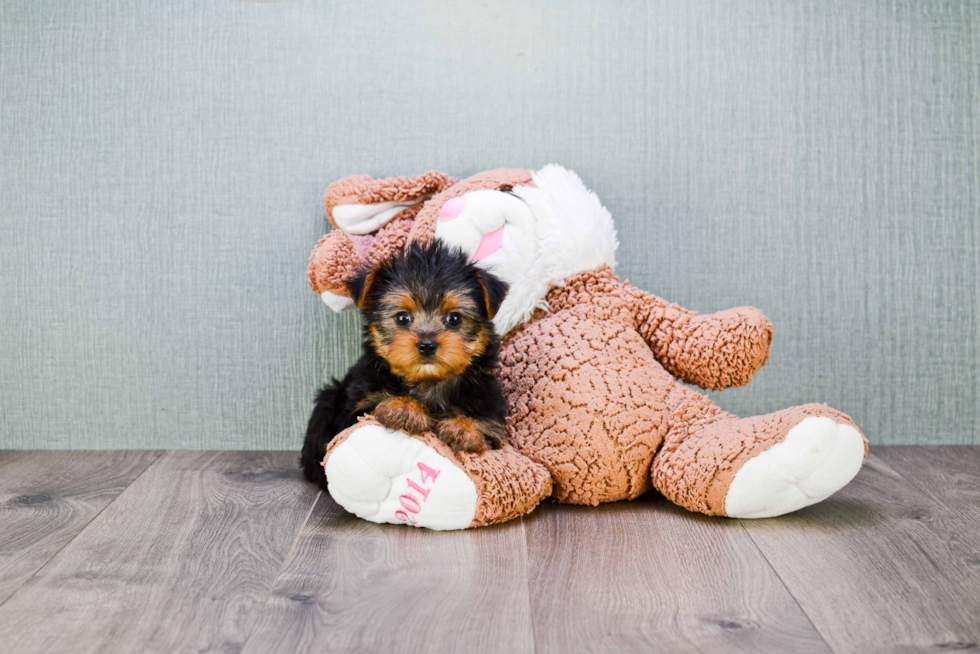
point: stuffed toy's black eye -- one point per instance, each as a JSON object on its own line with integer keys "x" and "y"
{"x": 403, "y": 319}
{"x": 454, "y": 319}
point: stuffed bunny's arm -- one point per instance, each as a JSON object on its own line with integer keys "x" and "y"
{"x": 714, "y": 351}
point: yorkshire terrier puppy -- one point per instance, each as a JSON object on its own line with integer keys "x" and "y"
{"x": 428, "y": 356}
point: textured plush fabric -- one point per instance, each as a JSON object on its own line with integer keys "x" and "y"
{"x": 338, "y": 254}
{"x": 500, "y": 179}
{"x": 698, "y": 460}
{"x": 718, "y": 351}
{"x": 363, "y": 189}
{"x": 508, "y": 484}
{"x": 587, "y": 398}
{"x": 592, "y": 377}
{"x": 593, "y": 396}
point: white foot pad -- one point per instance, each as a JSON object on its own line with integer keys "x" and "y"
{"x": 817, "y": 458}
{"x": 387, "y": 476}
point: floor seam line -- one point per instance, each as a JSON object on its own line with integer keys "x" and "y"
{"x": 924, "y": 489}
{"x": 289, "y": 554}
{"x": 527, "y": 578}
{"x": 87, "y": 525}
{"x": 796, "y": 601}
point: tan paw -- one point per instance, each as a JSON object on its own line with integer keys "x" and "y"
{"x": 404, "y": 414}
{"x": 461, "y": 434}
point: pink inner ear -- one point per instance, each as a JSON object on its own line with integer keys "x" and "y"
{"x": 489, "y": 244}
{"x": 363, "y": 243}
{"x": 452, "y": 209}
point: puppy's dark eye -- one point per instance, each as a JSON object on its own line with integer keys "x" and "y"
{"x": 454, "y": 319}
{"x": 403, "y": 319}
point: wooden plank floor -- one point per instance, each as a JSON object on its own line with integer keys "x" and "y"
{"x": 232, "y": 551}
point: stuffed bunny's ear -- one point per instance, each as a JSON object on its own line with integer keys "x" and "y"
{"x": 361, "y": 205}
{"x": 367, "y": 218}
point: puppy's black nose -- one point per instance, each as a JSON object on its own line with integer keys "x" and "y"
{"x": 427, "y": 347}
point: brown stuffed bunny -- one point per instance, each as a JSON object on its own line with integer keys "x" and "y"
{"x": 590, "y": 366}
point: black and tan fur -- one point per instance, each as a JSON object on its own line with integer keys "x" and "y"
{"x": 428, "y": 356}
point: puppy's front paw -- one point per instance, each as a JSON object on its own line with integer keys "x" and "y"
{"x": 461, "y": 434}
{"x": 403, "y": 414}
{"x": 468, "y": 435}
{"x": 494, "y": 433}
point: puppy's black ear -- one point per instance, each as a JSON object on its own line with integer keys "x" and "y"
{"x": 361, "y": 284}
{"x": 494, "y": 291}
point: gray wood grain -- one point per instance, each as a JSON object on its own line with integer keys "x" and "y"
{"x": 881, "y": 566}
{"x": 221, "y": 552}
{"x": 949, "y": 474}
{"x": 181, "y": 561}
{"x": 354, "y": 586}
{"x": 47, "y": 498}
{"x": 648, "y": 576}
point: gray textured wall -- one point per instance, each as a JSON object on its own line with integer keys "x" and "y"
{"x": 161, "y": 169}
